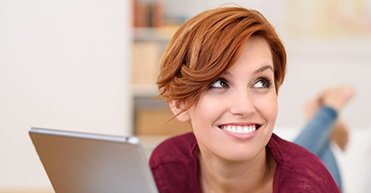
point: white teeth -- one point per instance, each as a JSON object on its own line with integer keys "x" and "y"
{"x": 239, "y": 128}
{"x": 233, "y": 129}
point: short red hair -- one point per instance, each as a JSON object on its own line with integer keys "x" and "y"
{"x": 209, "y": 44}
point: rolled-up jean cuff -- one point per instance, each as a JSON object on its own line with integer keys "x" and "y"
{"x": 330, "y": 111}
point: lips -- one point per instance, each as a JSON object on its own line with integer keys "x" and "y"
{"x": 240, "y": 129}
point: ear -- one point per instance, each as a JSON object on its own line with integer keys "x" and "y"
{"x": 177, "y": 108}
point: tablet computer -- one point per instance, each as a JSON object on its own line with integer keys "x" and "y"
{"x": 78, "y": 162}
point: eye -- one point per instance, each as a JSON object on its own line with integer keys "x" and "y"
{"x": 262, "y": 83}
{"x": 220, "y": 83}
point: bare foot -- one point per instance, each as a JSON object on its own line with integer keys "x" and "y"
{"x": 336, "y": 97}
{"x": 310, "y": 108}
{"x": 340, "y": 134}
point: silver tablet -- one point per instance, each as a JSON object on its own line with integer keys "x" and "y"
{"x": 90, "y": 163}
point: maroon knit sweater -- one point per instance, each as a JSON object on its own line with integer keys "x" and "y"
{"x": 174, "y": 167}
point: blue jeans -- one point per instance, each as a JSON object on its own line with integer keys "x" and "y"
{"x": 316, "y": 138}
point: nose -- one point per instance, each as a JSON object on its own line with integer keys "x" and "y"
{"x": 242, "y": 103}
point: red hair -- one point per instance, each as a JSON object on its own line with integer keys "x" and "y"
{"x": 209, "y": 44}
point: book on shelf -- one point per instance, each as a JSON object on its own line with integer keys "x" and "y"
{"x": 155, "y": 121}
{"x": 146, "y": 57}
{"x": 153, "y": 14}
{"x": 148, "y": 13}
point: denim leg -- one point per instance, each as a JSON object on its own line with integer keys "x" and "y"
{"x": 329, "y": 160}
{"x": 316, "y": 133}
{"x": 316, "y": 138}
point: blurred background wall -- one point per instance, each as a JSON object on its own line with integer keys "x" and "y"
{"x": 63, "y": 65}
{"x": 74, "y": 65}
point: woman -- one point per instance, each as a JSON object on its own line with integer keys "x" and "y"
{"x": 221, "y": 73}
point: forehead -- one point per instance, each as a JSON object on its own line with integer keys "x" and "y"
{"x": 256, "y": 55}
{"x": 257, "y": 47}
{"x": 254, "y": 45}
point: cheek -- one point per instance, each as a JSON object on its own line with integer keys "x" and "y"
{"x": 207, "y": 110}
{"x": 268, "y": 106}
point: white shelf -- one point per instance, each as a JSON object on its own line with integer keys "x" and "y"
{"x": 145, "y": 90}
{"x": 162, "y": 34}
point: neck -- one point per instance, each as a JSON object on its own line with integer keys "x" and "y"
{"x": 217, "y": 175}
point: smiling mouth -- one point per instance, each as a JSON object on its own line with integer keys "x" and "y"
{"x": 240, "y": 128}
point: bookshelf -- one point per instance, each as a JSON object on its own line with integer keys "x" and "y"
{"x": 152, "y": 30}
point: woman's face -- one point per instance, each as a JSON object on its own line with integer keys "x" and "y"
{"x": 234, "y": 118}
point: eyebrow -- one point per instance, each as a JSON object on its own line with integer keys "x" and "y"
{"x": 260, "y": 70}
{"x": 263, "y": 68}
